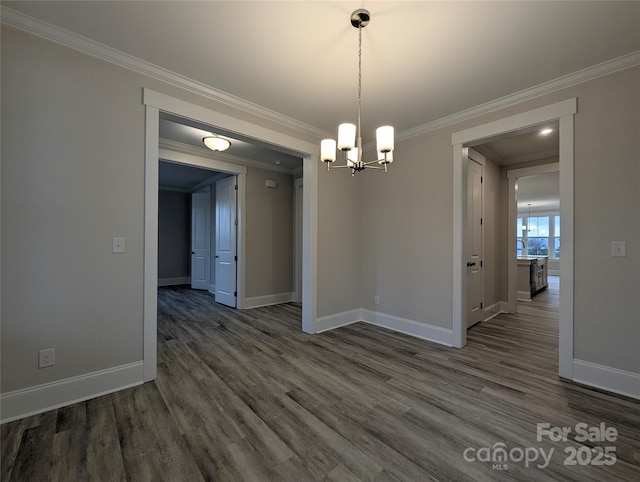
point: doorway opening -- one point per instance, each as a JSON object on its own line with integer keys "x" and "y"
{"x": 155, "y": 103}
{"x": 563, "y": 113}
{"x": 191, "y": 231}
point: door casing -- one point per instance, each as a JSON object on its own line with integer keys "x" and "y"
{"x": 564, "y": 113}
{"x": 156, "y": 102}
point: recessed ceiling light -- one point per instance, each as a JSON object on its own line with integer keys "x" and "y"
{"x": 546, "y": 132}
{"x": 277, "y": 163}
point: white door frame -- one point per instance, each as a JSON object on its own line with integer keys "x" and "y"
{"x": 155, "y": 102}
{"x": 297, "y": 229}
{"x": 512, "y": 263}
{"x": 564, "y": 113}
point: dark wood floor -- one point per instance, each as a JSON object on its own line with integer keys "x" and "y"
{"x": 245, "y": 395}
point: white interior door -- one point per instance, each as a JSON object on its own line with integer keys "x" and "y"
{"x": 200, "y": 240}
{"x": 473, "y": 243}
{"x": 226, "y": 250}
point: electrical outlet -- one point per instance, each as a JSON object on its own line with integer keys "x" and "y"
{"x": 376, "y": 299}
{"x": 46, "y": 358}
{"x": 618, "y": 248}
{"x": 117, "y": 245}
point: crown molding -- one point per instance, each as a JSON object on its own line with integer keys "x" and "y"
{"x": 590, "y": 73}
{"x": 20, "y": 21}
{"x": 220, "y": 156}
{"x": 26, "y": 23}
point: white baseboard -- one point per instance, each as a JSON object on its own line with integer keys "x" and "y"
{"x": 493, "y": 310}
{"x": 607, "y": 378}
{"x": 331, "y": 322}
{"x": 185, "y": 280}
{"x": 212, "y": 289}
{"x": 276, "y": 299}
{"x": 523, "y": 296}
{"x": 42, "y": 398}
{"x": 418, "y": 329}
{"x": 395, "y": 323}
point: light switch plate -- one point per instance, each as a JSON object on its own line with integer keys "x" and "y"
{"x": 118, "y": 245}
{"x": 618, "y": 248}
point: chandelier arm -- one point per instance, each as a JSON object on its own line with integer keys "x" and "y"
{"x": 375, "y": 161}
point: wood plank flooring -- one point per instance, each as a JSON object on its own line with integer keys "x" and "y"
{"x": 246, "y": 396}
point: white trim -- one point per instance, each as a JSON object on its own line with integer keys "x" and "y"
{"x": 156, "y": 102}
{"x": 533, "y": 171}
{"x": 515, "y": 122}
{"x": 564, "y": 111}
{"x": 607, "y": 378}
{"x": 241, "y": 236}
{"x": 590, "y": 73}
{"x": 337, "y": 320}
{"x": 150, "y": 247}
{"x": 297, "y": 237}
{"x": 310, "y": 245}
{"x": 178, "y": 157}
{"x": 512, "y": 263}
{"x": 267, "y": 300}
{"x": 523, "y": 295}
{"x": 184, "y": 280}
{"x": 214, "y": 118}
{"x": 565, "y": 329}
{"x": 42, "y": 398}
{"x": 31, "y": 25}
{"x": 493, "y": 310}
{"x": 413, "y": 328}
{"x": 512, "y": 249}
{"x": 212, "y": 289}
{"x": 95, "y": 49}
{"x": 222, "y": 156}
{"x": 459, "y": 315}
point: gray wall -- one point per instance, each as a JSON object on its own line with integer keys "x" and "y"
{"x": 73, "y": 178}
{"x": 174, "y": 234}
{"x": 69, "y": 189}
{"x": 495, "y": 285}
{"x": 269, "y": 231}
{"x": 407, "y": 222}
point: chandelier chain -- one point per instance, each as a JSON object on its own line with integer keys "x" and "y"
{"x": 359, "y": 126}
{"x": 359, "y": 62}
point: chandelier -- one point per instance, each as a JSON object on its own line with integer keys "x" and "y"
{"x": 350, "y": 135}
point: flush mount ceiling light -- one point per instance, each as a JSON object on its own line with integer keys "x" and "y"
{"x": 216, "y": 143}
{"x": 546, "y": 132}
{"x": 350, "y": 135}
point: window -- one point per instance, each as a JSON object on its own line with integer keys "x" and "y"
{"x": 538, "y": 234}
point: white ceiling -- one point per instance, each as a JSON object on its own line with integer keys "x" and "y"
{"x": 422, "y": 61}
{"x": 542, "y": 191}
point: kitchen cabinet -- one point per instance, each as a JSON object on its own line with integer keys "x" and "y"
{"x": 532, "y": 276}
